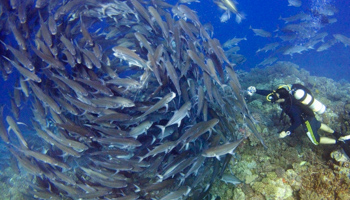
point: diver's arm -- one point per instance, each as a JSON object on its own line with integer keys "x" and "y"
{"x": 294, "y": 114}
{"x": 251, "y": 90}
{"x": 295, "y": 117}
{"x": 264, "y": 92}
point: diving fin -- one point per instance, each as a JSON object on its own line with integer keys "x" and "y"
{"x": 345, "y": 145}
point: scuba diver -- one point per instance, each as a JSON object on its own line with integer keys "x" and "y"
{"x": 298, "y": 103}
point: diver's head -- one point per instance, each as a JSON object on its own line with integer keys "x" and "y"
{"x": 279, "y": 96}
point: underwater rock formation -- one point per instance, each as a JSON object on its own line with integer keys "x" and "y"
{"x": 291, "y": 168}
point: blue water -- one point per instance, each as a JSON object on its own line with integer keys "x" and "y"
{"x": 333, "y": 63}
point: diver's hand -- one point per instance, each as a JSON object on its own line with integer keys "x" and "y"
{"x": 251, "y": 90}
{"x": 283, "y": 134}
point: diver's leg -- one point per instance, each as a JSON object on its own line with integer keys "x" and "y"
{"x": 326, "y": 140}
{"x": 326, "y": 128}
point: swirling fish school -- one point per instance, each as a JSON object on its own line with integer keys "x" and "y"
{"x": 113, "y": 87}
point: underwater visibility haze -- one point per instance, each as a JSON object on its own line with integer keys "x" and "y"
{"x": 131, "y": 99}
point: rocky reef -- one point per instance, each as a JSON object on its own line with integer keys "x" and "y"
{"x": 290, "y": 168}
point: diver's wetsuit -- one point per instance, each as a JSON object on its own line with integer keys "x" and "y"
{"x": 298, "y": 113}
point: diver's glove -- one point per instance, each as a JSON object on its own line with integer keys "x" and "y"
{"x": 283, "y": 134}
{"x": 251, "y": 90}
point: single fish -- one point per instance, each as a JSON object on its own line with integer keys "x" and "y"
{"x": 25, "y": 72}
{"x": 130, "y": 56}
{"x": 220, "y": 150}
{"x": 342, "y": 38}
{"x": 45, "y": 33}
{"x": 154, "y": 13}
{"x": 85, "y": 32}
{"x": 178, "y": 116}
{"x": 260, "y": 32}
{"x": 228, "y": 178}
{"x": 295, "y": 3}
{"x": 173, "y": 76}
{"x": 295, "y": 49}
{"x": 165, "y": 147}
{"x": 140, "y": 129}
{"x": 161, "y": 103}
{"x": 68, "y": 44}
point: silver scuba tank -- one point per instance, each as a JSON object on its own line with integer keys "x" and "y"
{"x": 308, "y": 100}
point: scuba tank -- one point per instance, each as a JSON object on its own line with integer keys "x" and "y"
{"x": 308, "y": 100}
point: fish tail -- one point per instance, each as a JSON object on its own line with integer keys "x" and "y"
{"x": 162, "y": 128}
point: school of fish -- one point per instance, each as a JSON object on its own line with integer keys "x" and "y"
{"x": 126, "y": 99}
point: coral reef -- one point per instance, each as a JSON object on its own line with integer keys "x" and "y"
{"x": 290, "y": 168}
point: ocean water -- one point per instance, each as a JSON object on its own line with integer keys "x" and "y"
{"x": 333, "y": 63}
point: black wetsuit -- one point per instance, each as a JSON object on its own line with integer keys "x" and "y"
{"x": 298, "y": 113}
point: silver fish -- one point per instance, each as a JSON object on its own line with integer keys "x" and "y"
{"x": 24, "y": 86}
{"x": 140, "y": 129}
{"x": 68, "y": 44}
{"x": 18, "y": 36}
{"x": 143, "y": 42}
{"x": 143, "y": 12}
{"x": 3, "y": 133}
{"x": 97, "y": 85}
{"x": 120, "y": 142}
{"x": 130, "y": 56}
{"x": 189, "y": 1}
{"x": 43, "y": 158}
{"x": 161, "y": 103}
{"x": 232, "y": 42}
{"x": 22, "y": 58}
{"x": 269, "y": 47}
{"x": 295, "y": 49}
{"x": 295, "y": 3}
{"x": 165, "y": 147}
{"x": 63, "y": 148}
{"x": 31, "y": 167}
{"x": 49, "y": 59}
{"x": 222, "y": 149}
{"x": 194, "y": 56}
{"x": 326, "y": 45}
{"x": 181, "y": 193}
{"x": 45, "y": 33}
{"x": 46, "y": 99}
{"x": 173, "y": 76}
{"x": 78, "y": 89}
{"x": 228, "y": 178}
{"x": 25, "y": 72}
{"x": 342, "y": 38}
{"x": 178, "y": 116}
{"x": 78, "y": 146}
{"x": 52, "y": 24}
{"x": 159, "y": 20}
{"x": 260, "y": 32}
{"x": 189, "y": 14}
{"x": 85, "y": 32}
